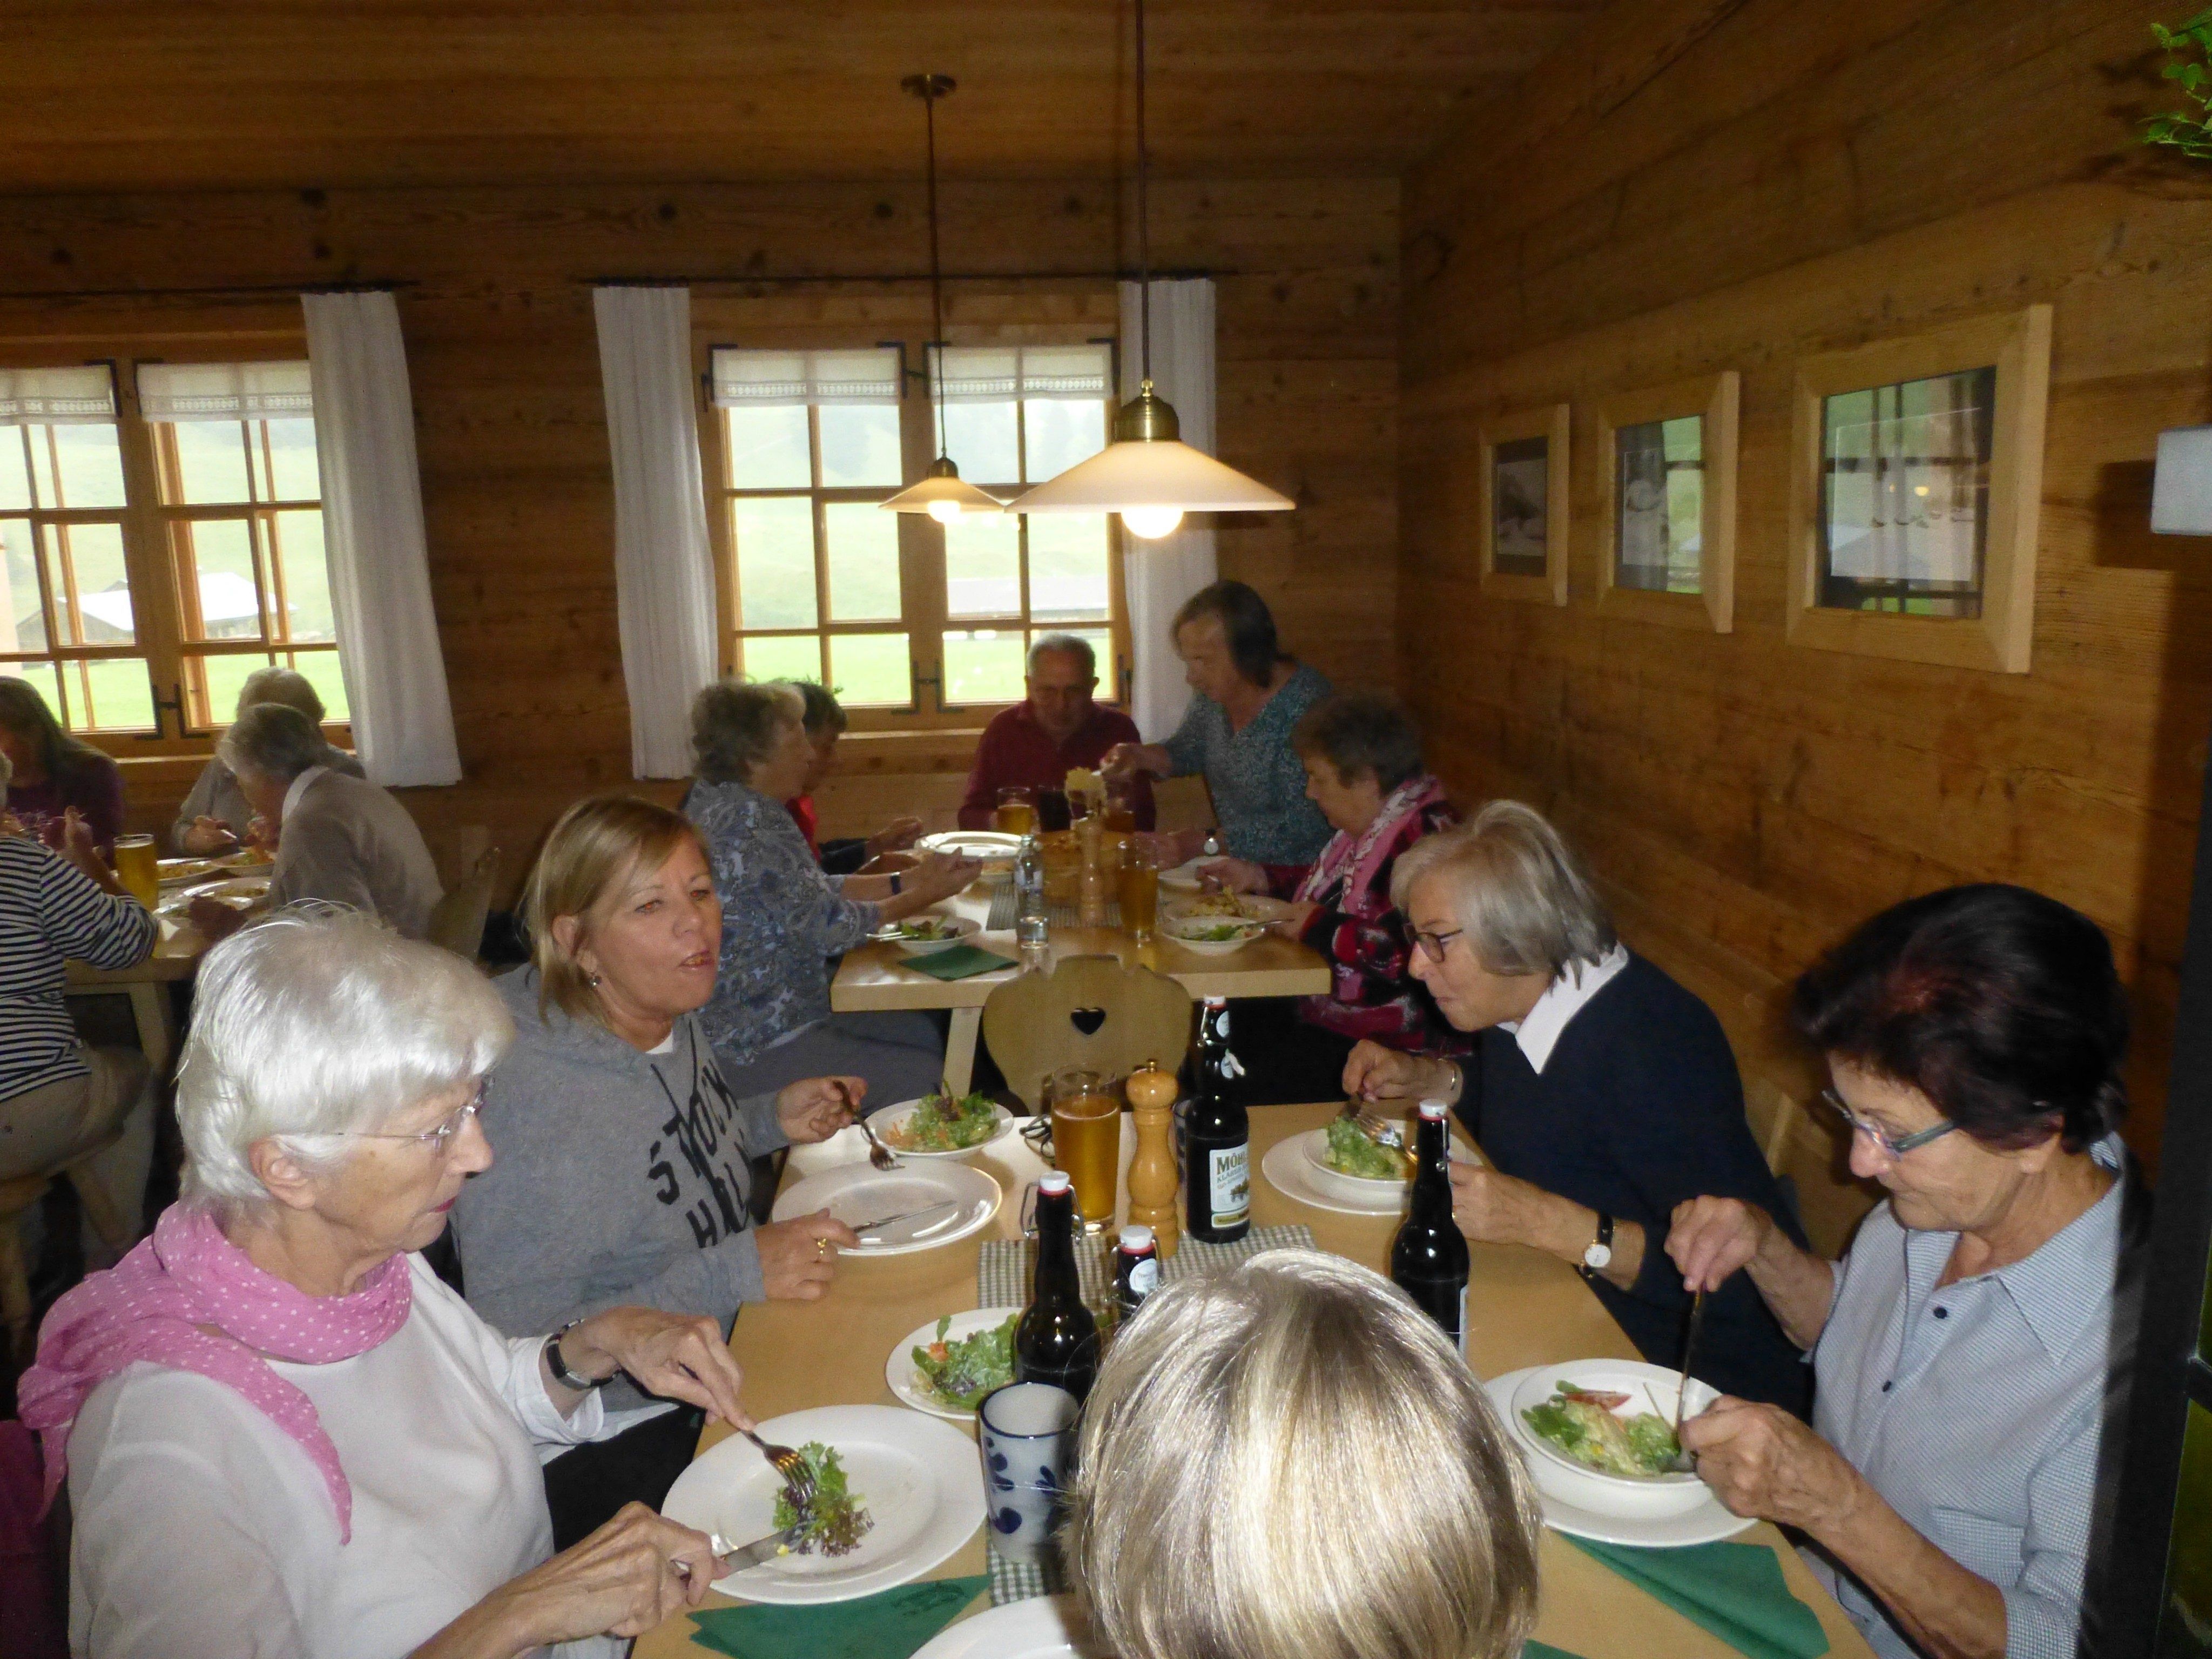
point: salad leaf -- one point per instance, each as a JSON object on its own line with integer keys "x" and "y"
{"x": 943, "y": 1124}
{"x": 1352, "y": 1152}
{"x": 962, "y": 1370}
{"x": 1584, "y": 1425}
{"x": 834, "y": 1521}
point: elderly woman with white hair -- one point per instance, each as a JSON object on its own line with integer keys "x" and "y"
{"x": 216, "y": 815}
{"x": 1231, "y": 1454}
{"x": 1602, "y": 1093}
{"x": 281, "y": 1433}
{"x": 340, "y": 838}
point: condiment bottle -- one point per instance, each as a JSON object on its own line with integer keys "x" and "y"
{"x": 1217, "y": 1159}
{"x": 1136, "y": 1268}
{"x": 1152, "y": 1179}
{"x": 1057, "y": 1339}
{"x": 1429, "y": 1257}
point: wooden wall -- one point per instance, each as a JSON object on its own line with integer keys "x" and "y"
{"x": 512, "y": 443}
{"x": 1729, "y": 185}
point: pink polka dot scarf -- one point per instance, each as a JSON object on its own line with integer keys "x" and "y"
{"x": 190, "y": 1299}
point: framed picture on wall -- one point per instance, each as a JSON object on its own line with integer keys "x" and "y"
{"x": 1669, "y": 455}
{"x": 1522, "y": 516}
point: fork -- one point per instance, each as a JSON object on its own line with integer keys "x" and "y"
{"x": 1373, "y": 1125}
{"x": 879, "y": 1154}
{"x": 791, "y": 1466}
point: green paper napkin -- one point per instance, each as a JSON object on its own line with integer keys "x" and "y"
{"x": 1735, "y": 1590}
{"x": 889, "y": 1625}
{"x": 1533, "y": 1649}
{"x": 958, "y": 961}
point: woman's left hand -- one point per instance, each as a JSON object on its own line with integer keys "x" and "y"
{"x": 1293, "y": 923}
{"x": 677, "y": 1356}
{"x": 1232, "y": 876}
{"x": 895, "y": 837}
{"x": 1492, "y": 1208}
{"x": 815, "y": 1107}
{"x": 1760, "y": 1460}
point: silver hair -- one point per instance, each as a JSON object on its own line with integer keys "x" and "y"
{"x": 1524, "y": 899}
{"x": 735, "y": 726}
{"x": 276, "y": 683}
{"x": 1073, "y": 645}
{"x": 314, "y": 1024}
{"x": 273, "y": 740}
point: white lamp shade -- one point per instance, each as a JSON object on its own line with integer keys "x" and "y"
{"x": 941, "y": 497}
{"x": 1152, "y": 472}
{"x": 2181, "y": 489}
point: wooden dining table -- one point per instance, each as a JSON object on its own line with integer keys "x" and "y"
{"x": 876, "y": 975}
{"x": 176, "y": 955}
{"x": 1524, "y": 1308}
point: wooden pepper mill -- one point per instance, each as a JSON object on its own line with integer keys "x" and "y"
{"x": 1153, "y": 1186}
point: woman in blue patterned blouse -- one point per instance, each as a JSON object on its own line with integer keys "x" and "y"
{"x": 785, "y": 921}
{"x": 1248, "y": 698}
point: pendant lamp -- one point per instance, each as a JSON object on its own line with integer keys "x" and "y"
{"x": 940, "y": 494}
{"x": 1147, "y": 474}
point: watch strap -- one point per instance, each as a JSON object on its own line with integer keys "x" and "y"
{"x": 898, "y": 885}
{"x": 559, "y": 1367}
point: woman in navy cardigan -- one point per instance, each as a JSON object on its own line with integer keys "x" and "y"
{"x": 1602, "y": 1093}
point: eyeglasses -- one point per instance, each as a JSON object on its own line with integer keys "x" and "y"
{"x": 1897, "y": 1147}
{"x": 1432, "y": 944}
{"x": 437, "y": 1140}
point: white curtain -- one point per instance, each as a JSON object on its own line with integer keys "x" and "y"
{"x": 225, "y": 392}
{"x": 663, "y": 568}
{"x": 1160, "y": 574}
{"x": 395, "y": 676}
{"x": 58, "y": 397}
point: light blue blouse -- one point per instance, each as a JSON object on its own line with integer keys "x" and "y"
{"x": 1258, "y": 783}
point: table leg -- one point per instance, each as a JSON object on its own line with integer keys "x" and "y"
{"x": 960, "y": 1048}
{"x": 157, "y": 1038}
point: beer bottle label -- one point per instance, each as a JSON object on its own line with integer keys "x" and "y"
{"x": 1230, "y": 1183}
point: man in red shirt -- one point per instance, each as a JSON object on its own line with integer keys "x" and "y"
{"x": 1034, "y": 744}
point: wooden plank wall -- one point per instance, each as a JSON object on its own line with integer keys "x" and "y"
{"x": 513, "y": 450}
{"x": 1713, "y": 183}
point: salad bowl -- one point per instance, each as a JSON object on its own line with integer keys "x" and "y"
{"x": 894, "y": 1123}
{"x": 926, "y": 933}
{"x": 1649, "y": 1388}
{"x": 1325, "y": 1174}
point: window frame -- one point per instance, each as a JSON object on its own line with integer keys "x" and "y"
{"x": 1076, "y": 316}
{"x": 2017, "y": 344}
{"x": 1553, "y": 423}
{"x": 1716, "y": 399}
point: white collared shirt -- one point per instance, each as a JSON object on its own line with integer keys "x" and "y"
{"x": 1563, "y": 999}
{"x": 301, "y": 785}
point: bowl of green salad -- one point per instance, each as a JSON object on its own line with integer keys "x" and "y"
{"x": 1344, "y": 1158}
{"x": 938, "y": 1126}
{"x": 1212, "y": 936}
{"x": 926, "y": 933}
{"x": 1602, "y": 1435}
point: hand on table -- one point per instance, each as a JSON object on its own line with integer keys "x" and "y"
{"x": 1232, "y": 876}
{"x": 1711, "y": 1237}
{"x": 1297, "y": 917}
{"x": 815, "y": 1107}
{"x": 206, "y": 835}
{"x": 1372, "y": 1072}
{"x": 1492, "y": 1208}
{"x": 895, "y": 837}
{"x": 676, "y": 1355}
{"x": 621, "y": 1581}
{"x": 798, "y": 1257}
{"x": 1760, "y": 1460}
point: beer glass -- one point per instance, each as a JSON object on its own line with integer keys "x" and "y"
{"x": 137, "y": 870}
{"x": 1140, "y": 891}
{"x": 1087, "y": 1140}
{"x": 1017, "y": 813}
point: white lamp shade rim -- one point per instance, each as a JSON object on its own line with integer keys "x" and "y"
{"x": 1153, "y": 473}
{"x": 921, "y": 497}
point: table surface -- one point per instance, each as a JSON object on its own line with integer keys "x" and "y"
{"x": 876, "y": 975}
{"x": 177, "y": 954}
{"x": 1523, "y": 1309}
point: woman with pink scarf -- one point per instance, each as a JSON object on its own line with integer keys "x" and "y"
{"x": 1363, "y": 764}
{"x": 282, "y": 1433}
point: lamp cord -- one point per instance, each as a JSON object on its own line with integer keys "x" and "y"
{"x": 1144, "y": 212}
{"x": 936, "y": 282}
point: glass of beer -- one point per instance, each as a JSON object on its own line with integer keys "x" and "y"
{"x": 1121, "y": 807}
{"x": 137, "y": 870}
{"x": 1087, "y": 1140}
{"x": 1140, "y": 891}
{"x": 1017, "y": 813}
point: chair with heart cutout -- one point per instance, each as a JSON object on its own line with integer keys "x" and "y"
{"x": 1089, "y": 1011}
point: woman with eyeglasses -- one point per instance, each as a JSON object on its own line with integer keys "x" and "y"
{"x": 280, "y": 1433}
{"x": 1964, "y": 1345}
{"x": 1603, "y": 1095}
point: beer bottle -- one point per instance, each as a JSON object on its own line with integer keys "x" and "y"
{"x": 1218, "y": 1147}
{"x": 1057, "y": 1339}
{"x": 1429, "y": 1258}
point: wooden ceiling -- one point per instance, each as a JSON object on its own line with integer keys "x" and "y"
{"x": 152, "y": 95}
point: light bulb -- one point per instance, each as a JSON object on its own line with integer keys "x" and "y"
{"x": 944, "y": 512}
{"x": 1150, "y": 522}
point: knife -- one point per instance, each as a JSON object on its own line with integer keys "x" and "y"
{"x": 948, "y": 1209}
{"x": 737, "y": 1558}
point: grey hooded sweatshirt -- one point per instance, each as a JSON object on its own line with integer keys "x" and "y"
{"x": 617, "y": 1177}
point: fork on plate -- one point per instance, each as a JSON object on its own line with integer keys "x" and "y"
{"x": 797, "y": 1479}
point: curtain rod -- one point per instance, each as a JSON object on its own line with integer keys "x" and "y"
{"x": 236, "y": 290}
{"x": 1182, "y": 273}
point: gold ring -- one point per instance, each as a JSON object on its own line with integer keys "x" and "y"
{"x": 821, "y": 1247}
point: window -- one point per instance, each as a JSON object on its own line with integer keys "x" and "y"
{"x": 1670, "y": 503}
{"x": 162, "y": 527}
{"x": 1914, "y": 506}
{"x": 1523, "y": 511}
{"x": 912, "y": 622}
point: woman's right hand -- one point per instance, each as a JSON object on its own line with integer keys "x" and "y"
{"x": 798, "y": 1257}
{"x": 1710, "y": 1238}
{"x": 1372, "y": 1072}
{"x": 938, "y": 877}
{"x": 1233, "y": 876}
{"x": 621, "y": 1581}
{"x": 1124, "y": 760}
{"x": 207, "y": 835}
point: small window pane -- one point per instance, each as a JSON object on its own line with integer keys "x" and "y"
{"x": 871, "y": 670}
{"x": 1905, "y": 494}
{"x": 87, "y": 462}
{"x": 1520, "y": 476}
{"x": 215, "y": 562}
{"x": 983, "y": 565}
{"x": 293, "y": 475}
{"x": 112, "y": 695}
{"x": 300, "y": 574}
{"x": 767, "y": 448}
{"x": 40, "y": 674}
{"x": 983, "y": 666}
{"x": 15, "y": 469}
{"x": 92, "y": 554}
{"x": 22, "y": 616}
{"x": 323, "y": 670}
{"x": 211, "y": 461}
{"x": 216, "y": 702}
{"x": 1068, "y": 568}
{"x": 785, "y": 659}
{"x": 864, "y": 561}
{"x": 1060, "y": 435}
{"x": 860, "y": 445}
{"x": 982, "y": 438}
{"x": 1659, "y": 512}
{"x": 774, "y": 544}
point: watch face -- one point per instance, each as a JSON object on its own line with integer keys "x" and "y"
{"x": 1598, "y": 1256}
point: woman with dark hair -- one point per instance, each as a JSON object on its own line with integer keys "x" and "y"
{"x": 1964, "y": 1345}
{"x": 55, "y": 773}
{"x": 1248, "y": 698}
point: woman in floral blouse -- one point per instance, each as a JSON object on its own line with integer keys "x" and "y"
{"x": 785, "y": 921}
{"x": 1363, "y": 767}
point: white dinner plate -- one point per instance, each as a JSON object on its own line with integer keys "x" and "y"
{"x": 1707, "y": 1523}
{"x": 891, "y": 1116}
{"x": 183, "y": 872}
{"x": 1290, "y": 1170}
{"x": 1039, "y": 1627}
{"x": 239, "y": 892}
{"x": 962, "y": 928}
{"x": 991, "y": 846}
{"x": 1183, "y": 878}
{"x": 860, "y": 1194}
{"x": 906, "y": 1379}
{"x": 917, "y": 1478}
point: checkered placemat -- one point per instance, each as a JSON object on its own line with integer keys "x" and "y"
{"x": 1017, "y": 1581}
{"x": 1005, "y": 906}
{"x": 1006, "y": 1266}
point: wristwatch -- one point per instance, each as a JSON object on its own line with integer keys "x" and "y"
{"x": 559, "y": 1367}
{"x": 1597, "y": 1254}
{"x": 897, "y": 885}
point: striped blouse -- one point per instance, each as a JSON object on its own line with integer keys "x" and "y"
{"x": 51, "y": 912}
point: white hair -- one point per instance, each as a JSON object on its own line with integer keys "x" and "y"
{"x": 316, "y": 1023}
{"x": 1522, "y": 897}
{"x": 275, "y": 740}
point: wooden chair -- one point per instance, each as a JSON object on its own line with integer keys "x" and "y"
{"x": 457, "y": 921}
{"x": 1089, "y": 1011}
{"x": 18, "y": 1198}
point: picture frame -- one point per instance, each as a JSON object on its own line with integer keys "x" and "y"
{"x": 1713, "y": 400}
{"x": 1524, "y": 505}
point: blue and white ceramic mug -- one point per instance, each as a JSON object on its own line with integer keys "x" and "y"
{"x": 1026, "y": 1432}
